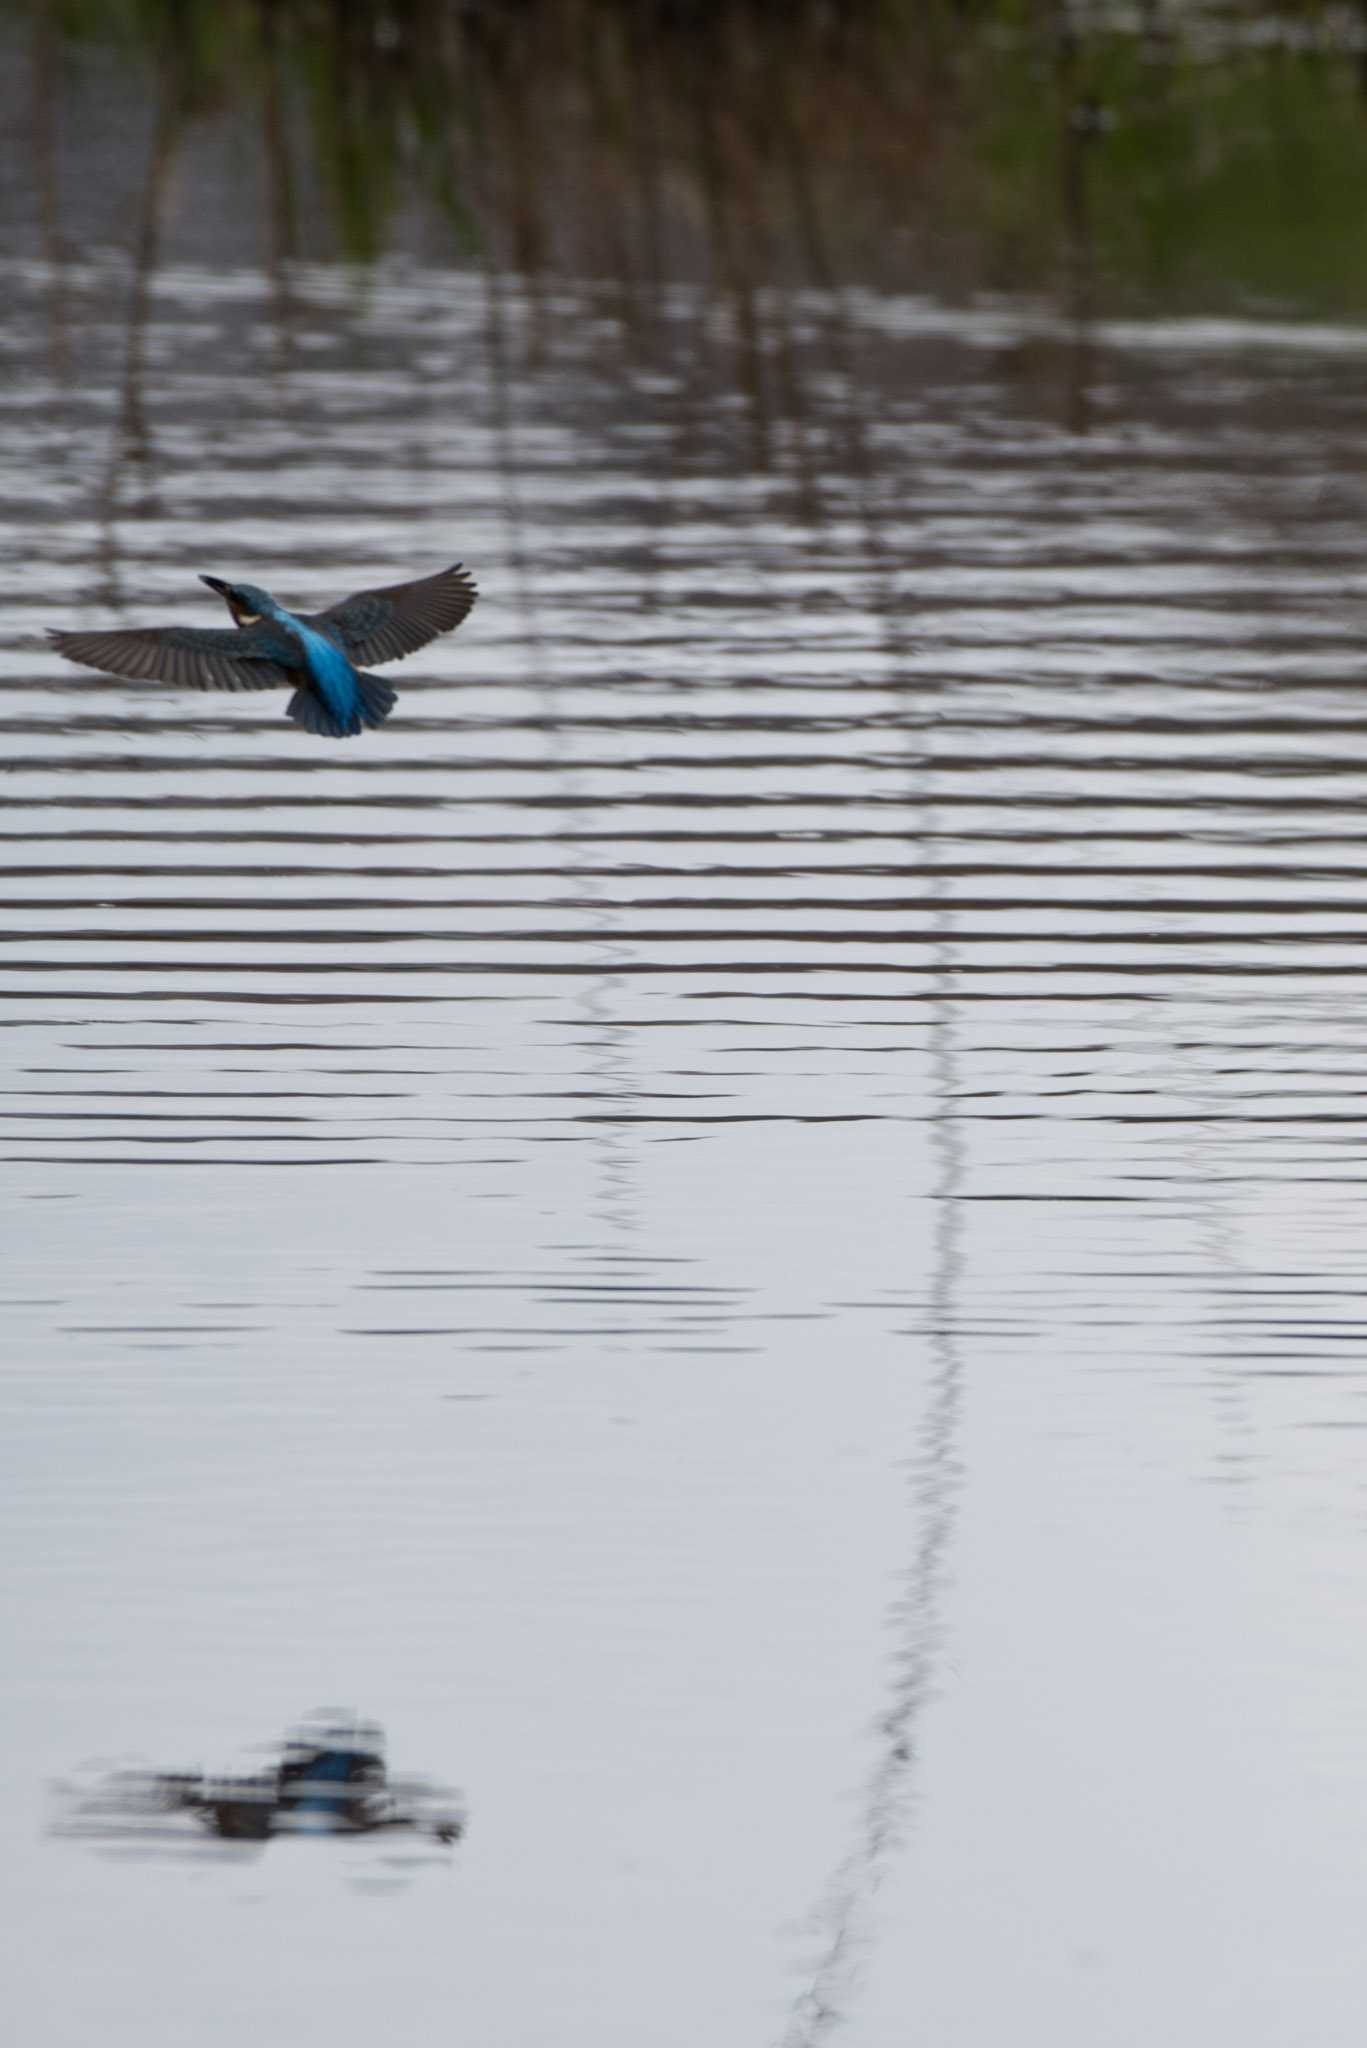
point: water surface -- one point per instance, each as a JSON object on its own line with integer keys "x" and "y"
{"x": 747, "y": 1224}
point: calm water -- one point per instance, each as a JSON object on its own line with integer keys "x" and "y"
{"x": 748, "y": 1224}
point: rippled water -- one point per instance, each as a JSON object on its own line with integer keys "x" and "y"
{"x": 748, "y": 1222}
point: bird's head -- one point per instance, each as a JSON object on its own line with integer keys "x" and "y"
{"x": 246, "y": 601}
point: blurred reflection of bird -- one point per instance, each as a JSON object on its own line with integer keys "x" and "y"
{"x": 319, "y": 654}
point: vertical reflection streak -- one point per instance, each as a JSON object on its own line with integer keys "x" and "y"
{"x": 132, "y": 444}
{"x": 1080, "y": 121}
{"x": 1223, "y": 1275}
{"x": 609, "y": 1073}
{"x": 278, "y": 194}
{"x": 43, "y": 66}
{"x": 916, "y": 1617}
{"x": 497, "y": 355}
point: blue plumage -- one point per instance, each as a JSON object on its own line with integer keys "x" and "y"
{"x": 333, "y": 692}
{"x": 318, "y": 654}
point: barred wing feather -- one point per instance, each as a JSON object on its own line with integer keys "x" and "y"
{"x": 201, "y": 658}
{"x": 384, "y": 625}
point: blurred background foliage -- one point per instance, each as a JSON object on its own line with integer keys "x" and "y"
{"x": 1192, "y": 155}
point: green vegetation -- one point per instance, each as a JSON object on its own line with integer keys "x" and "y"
{"x": 1192, "y": 155}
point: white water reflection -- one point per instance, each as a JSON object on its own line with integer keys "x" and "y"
{"x": 825, "y": 1392}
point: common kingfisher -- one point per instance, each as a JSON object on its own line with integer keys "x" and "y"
{"x": 319, "y": 653}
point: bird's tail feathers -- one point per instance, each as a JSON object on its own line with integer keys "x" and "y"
{"x": 377, "y": 699}
{"x": 375, "y": 702}
{"x": 309, "y": 710}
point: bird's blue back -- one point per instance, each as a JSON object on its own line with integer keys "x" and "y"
{"x": 296, "y": 645}
{"x": 329, "y": 670}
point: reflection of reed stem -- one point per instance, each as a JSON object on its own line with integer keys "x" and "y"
{"x": 916, "y": 1617}
{"x": 281, "y": 211}
{"x": 132, "y": 442}
{"x": 146, "y": 256}
{"x": 647, "y": 156}
{"x": 497, "y": 351}
{"x": 916, "y": 1620}
{"x": 43, "y": 66}
{"x": 730, "y": 209}
{"x": 1079, "y": 119}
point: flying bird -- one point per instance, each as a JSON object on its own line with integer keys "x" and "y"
{"x": 319, "y": 655}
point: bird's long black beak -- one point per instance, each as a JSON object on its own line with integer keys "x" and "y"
{"x": 214, "y": 584}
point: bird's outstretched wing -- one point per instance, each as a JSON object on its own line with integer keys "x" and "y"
{"x": 199, "y": 657}
{"x": 383, "y": 625}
